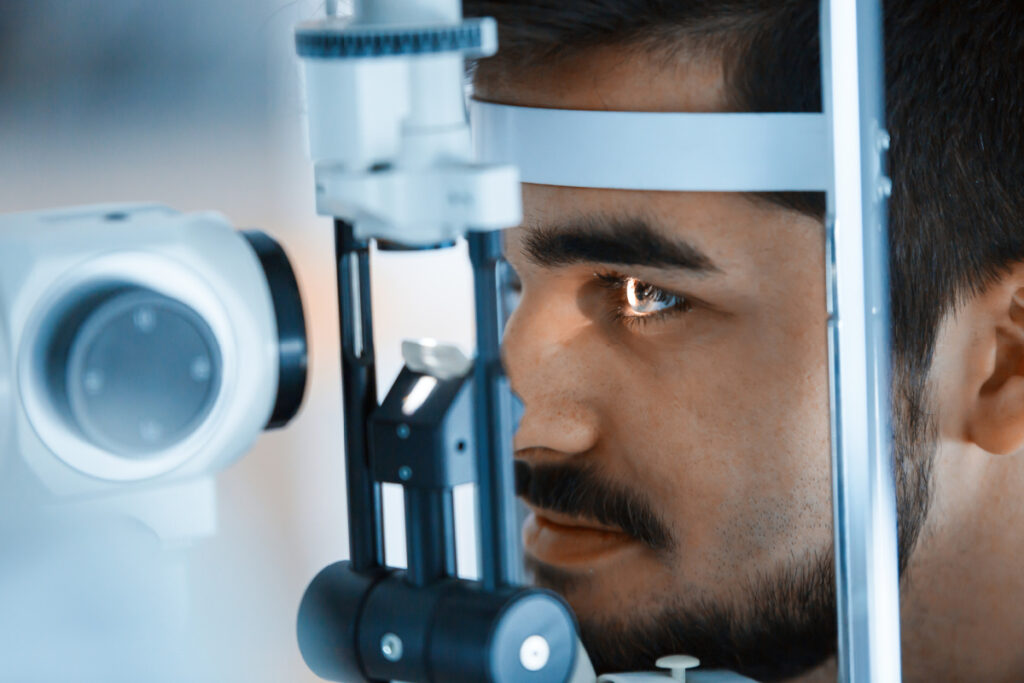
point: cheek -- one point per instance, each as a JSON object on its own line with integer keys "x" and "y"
{"x": 728, "y": 433}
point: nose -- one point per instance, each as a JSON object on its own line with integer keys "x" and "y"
{"x": 545, "y": 355}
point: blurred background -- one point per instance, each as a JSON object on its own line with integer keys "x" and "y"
{"x": 197, "y": 104}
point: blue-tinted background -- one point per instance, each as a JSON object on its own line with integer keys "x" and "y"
{"x": 197, "y": 104}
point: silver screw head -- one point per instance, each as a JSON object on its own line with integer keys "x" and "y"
{"x": 405, "y": 473}
{"x": 534, "y": 653}
{"x": 93, "y": 382}
{"x": 883, "y": 140}
{"x": 884, "y": 187}
{"x": 391, "y": 647}
{"x": 403, "y": 431}
{"x": 200, "y": 369}
{"x": 144, "y": 319}
{"x": 151, "y": 431}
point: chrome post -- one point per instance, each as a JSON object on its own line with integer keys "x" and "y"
{"x": 864, "y": 505}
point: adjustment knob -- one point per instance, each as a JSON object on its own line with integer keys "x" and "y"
{"x": 678, "y": 664}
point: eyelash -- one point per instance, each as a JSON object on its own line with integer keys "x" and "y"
{"x": 616, "y": 285}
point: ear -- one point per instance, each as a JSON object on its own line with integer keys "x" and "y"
{"x": 996, "y": 420}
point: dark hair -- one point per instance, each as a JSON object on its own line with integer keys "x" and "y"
{"x": 955, "y": 110}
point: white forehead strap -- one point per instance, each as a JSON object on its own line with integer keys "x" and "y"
{"x": 654, "y": 150}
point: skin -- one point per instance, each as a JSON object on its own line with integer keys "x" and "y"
{"x": 719, "y": 414}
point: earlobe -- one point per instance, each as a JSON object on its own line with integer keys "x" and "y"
{"x": 997, "y": 420}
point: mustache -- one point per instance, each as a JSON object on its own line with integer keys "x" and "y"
{"x": 581, "y": 492}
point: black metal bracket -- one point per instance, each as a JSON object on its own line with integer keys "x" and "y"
{"x": 361, "y": 621}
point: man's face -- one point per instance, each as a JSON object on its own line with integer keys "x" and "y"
{"x": 670, "y": 350}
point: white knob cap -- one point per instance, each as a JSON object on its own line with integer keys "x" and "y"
{"x": 678, "y": 664}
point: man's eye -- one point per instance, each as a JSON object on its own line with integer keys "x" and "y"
{"x": 635, "y": 301}
{"x": 645, "y": 299}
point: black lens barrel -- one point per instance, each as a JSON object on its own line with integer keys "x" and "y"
{"x": 292, "y": 344}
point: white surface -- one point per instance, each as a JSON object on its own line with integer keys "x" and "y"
{"x": 390, "y": 139}
{"x": 654, "y": 150}
{"x": 355, "y": 109}
{"x": 534, "y": 653}
{"x": 196, "y": 104}
{"x": 419, "y": 206}
{"x": 694, "y": 676}
{"x": 677, "y": 665}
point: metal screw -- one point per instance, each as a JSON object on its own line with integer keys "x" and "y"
{"x": 884, "y": 187}
{"x": 883, "y": 140}
{"x": 534, "y": 653}
{"x": 93, "y": 382}
{"x": 144, "y": 318}
{"x": 403, "y": 431}
{"x": 405, "y": 473}
{"x": 200, "y": 369}
{"x": 151, "y": 431}
{"x": 391, "y": 647}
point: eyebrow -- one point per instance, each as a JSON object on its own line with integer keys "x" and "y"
{"x": 629, "y": 241}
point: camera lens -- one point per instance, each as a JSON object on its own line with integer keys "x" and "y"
{"x": 142, "y": 372}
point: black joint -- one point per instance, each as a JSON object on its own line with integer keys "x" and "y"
{"x": 485, "y": 248}
{"x": 389, "y": 245}
{"x": 346, "y": 241}
{"x": 292, "y": 342}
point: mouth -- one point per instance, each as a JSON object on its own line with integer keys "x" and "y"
{"x": 564, "y": 541}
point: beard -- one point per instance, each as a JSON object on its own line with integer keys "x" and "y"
{"x": 776, "y": 627}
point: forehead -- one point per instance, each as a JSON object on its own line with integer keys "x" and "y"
{"x": 616, "y": 78}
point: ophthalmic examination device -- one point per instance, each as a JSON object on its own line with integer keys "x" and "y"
{"x": 139, "y": 346}
{"x": 396, "y": 162}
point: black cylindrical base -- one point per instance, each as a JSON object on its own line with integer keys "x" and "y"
{"x": 515, "y": 635}
{"x": 455, "y": 632}
{"x": 328, "y": 621}
{"x": 357, "y": 627}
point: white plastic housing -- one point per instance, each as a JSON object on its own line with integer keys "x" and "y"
{"x": 389, "y": 134}
{"x": 406, "y": 11}
{"x": 47, "y": 258}
{"x": 355, "y": 109}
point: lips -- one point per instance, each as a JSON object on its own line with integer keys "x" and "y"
{"x": 565, "y": 541}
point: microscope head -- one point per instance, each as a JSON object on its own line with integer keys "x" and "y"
{"x": 142, "y": 348}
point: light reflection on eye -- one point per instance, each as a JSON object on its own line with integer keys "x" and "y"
{"x": 644, "y": 299}
{"x": 635, "y": 302}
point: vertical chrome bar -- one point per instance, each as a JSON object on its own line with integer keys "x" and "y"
{"x": 864, "y": 505}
